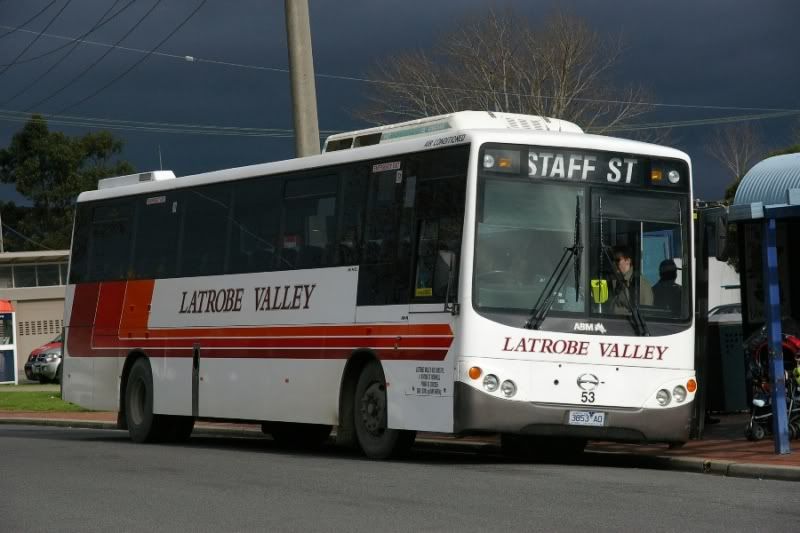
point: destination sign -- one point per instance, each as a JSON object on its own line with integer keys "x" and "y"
{"x": 548, "y": 163}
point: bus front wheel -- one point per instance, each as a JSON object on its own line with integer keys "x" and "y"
{"x": 375, "y": 439}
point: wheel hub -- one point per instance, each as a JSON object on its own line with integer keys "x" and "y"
{"x": 373, "y": 409}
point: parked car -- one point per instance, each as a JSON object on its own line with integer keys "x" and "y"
{"x": 44, "y": 362}
{"x": 726, "y": 313}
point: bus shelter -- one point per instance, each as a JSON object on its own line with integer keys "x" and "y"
{"x": 766, "y": 211}
{"x": 8, "y": 345}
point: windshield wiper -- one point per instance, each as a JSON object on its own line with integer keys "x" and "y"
{"x": 557, "y": 278}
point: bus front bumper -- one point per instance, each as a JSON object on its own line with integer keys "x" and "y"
{"x": 478, "y": 412}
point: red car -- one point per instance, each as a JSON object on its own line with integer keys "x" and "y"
{"x": 44, "y": 362}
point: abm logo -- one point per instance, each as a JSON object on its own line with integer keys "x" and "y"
{"x": 588, "y": 326}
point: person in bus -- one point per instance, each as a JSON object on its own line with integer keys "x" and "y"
{"x": 625, "y": 290}
{"x": 667, "y": 293}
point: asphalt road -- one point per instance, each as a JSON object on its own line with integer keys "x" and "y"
{"x": 60, "y": 479}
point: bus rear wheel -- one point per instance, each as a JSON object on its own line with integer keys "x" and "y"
{"x": 375, "y": 439}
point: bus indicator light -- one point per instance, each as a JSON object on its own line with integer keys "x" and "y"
{"x": 655, "y": 175}
{"x": 475, "y": 372}
{"x": 504, "y": 163}
{"x": 691, "y": 385}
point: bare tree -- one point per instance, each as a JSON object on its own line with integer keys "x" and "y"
{"x": 498, "y": 62}
{"x": 737, "y": 147}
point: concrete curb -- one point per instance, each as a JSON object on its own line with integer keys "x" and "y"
{"x": 697, "y": 465}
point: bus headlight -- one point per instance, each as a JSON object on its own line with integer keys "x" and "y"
{"x": 490, "y": 382}
{"x": 679, "y": 393}
{"x": 508, "y": 388}
{"x": 488, "y": 161}
{"x": 663, "y": 398}
{"x": 674, "y": 176}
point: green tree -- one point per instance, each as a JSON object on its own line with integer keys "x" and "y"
{"x": 51, "y": 169}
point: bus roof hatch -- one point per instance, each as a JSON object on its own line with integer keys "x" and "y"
{"x": 133, "y": 179}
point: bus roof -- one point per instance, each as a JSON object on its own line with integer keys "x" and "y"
{"x": 472, "y": 127}
{"x": 440, "y": 124}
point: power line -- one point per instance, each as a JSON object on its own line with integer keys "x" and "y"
{"x": 20, "y": 235}
{"x": 74, "y": 42}
{"x": 18, "y": 28}
{"x": 125, "y": 73}
{"x": 95, "y": 62}
{"x": 60, "y": 60}
{"x": 163, "y": 127}
{"x": 68, "y": 2}
{"x": 703, "y": 122}
{"x": 195, "y": 59}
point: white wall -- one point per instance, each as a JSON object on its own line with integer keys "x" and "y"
{"x": 720, "y": 276}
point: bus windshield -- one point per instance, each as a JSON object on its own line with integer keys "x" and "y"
{"x": 522, "y": 233}
{"x": 632, "y": 254}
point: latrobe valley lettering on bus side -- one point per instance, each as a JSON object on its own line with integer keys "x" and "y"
{"x": 267, "y": 298}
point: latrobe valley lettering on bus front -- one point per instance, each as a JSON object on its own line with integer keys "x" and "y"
{"x": 266, "y": 298}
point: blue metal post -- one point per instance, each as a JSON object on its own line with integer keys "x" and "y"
{"x": 772, "y": 307}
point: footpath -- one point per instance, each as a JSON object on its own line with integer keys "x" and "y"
{"x": 722, "y": 451}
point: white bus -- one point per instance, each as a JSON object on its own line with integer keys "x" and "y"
{"x": 455, "y": 274}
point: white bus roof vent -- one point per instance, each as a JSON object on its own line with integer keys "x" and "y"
{"x": 526, "y": 123}
{"x": 442, "y": 124}
{"x": 133, "y": 179}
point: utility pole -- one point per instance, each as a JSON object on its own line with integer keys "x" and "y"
{"x": 301, "y": 67}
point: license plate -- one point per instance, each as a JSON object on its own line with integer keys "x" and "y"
{"x": 587, "y": 418}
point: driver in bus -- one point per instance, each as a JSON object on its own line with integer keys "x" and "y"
{"x": 632, "y": 283}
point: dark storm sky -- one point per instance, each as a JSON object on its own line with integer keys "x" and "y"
{"x": 704, "y": 52}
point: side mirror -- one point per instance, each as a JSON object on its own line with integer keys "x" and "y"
{"x": 721, "y": 238}
{"x": 599, "y": 291}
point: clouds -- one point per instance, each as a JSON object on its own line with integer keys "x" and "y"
{"x": 729, "y": 53}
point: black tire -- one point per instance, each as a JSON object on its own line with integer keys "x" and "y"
{"x": 143, "y": 425}
{"x": 43, "y": 380}
{"x": 758, "y": 432}
{"x": 58, "y": 373}
{"x": 374, "y": 438}
{"x": 302, "y": 436}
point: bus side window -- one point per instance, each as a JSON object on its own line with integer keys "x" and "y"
{"x": 110, "y": 241}
{"x": 204, "y": 230}
{"x": 255, "y": 220}
{"x": 440, "y": 213}
{"x": 309, "y": 223}
{"x": 156, "y": 239}
{"x": 351, "y": 214}
{"x": 383, "y": 276}
{"x": 79, "y": 259}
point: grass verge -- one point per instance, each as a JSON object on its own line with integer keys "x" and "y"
{"x": 35, "y": 401}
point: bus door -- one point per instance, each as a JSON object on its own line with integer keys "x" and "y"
{"x": 384, "y": 271}
{"x": 439, "y": 220}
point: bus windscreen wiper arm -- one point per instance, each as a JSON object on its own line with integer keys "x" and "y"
{"x": 556, "y": 280}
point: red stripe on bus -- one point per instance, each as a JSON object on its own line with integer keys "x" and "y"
{"x": 110, "y": 320}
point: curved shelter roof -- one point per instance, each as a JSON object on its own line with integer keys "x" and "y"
{"x": 770, "y": 189}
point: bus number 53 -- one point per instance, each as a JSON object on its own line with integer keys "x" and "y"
{"x": 587, "y": 397}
